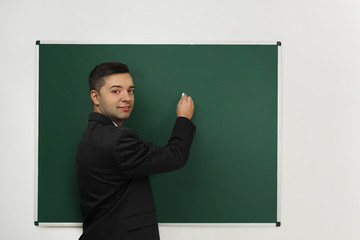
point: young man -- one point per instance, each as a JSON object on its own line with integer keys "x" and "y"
{"x": 113, "y": 163}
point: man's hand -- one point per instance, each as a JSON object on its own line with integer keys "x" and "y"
{"x": 185, "y": 107}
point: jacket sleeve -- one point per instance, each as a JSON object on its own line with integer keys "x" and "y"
{"x": 137, "y": 158}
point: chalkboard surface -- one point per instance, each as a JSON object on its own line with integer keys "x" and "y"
{"x": 231, "y": 176}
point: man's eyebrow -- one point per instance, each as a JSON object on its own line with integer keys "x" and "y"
{"x": 115, "y": 86}
{"x": 119, "y": 86}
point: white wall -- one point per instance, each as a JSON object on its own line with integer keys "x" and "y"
{"x": 321, "y": 85}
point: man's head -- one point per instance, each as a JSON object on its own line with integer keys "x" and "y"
{"x": 112, "y": 91}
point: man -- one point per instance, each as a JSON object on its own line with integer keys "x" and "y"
{"x": 113, "y": 163}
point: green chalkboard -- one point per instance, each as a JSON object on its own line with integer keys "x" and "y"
{"x": 231, "y": 176}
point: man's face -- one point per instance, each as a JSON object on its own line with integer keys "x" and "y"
{"x": 116, "y": 98}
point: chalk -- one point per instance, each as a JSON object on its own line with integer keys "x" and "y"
{"x": 182, "y": 94}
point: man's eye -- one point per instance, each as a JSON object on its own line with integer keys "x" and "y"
{"x": 115, "y": 91}
{"x": 131, "y": 90}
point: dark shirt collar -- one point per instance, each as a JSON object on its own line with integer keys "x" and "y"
{"x": 95, "y": 116}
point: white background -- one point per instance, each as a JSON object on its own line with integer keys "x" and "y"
{"x": 321, "y": 72}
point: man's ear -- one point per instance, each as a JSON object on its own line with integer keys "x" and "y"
{"x": 95, "y": 96}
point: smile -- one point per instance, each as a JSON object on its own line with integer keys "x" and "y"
{"x": 125, "y": 108}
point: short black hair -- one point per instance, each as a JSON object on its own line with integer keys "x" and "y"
{"x": 101, "y": 71}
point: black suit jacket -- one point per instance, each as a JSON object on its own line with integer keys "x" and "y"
{"x": 113, "y": 165}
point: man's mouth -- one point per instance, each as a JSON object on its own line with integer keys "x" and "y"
{"x": 124, "y": 108}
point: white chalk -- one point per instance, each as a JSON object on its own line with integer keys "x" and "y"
{"x": 182, "y": 94}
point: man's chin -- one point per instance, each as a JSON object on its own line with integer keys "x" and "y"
{"x": 122, "y": 117}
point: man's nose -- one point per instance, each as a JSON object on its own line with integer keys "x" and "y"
{"x": 125, "y": 97}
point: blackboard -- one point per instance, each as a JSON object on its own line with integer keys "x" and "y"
{"x": 231, "y": 175}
